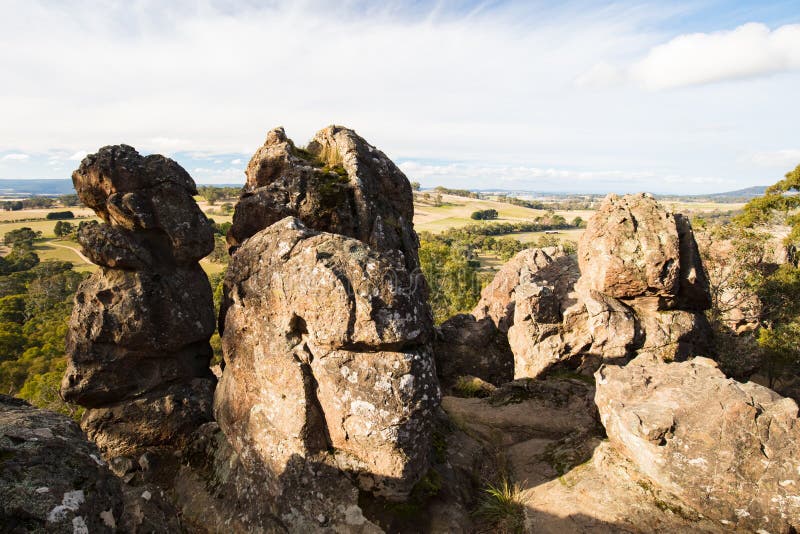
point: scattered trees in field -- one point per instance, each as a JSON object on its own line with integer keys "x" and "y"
{"x": 484, "y": 215}
{"x": 63, "y": 228}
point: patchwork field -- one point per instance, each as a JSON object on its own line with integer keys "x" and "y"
{"x": 454, "y": 212}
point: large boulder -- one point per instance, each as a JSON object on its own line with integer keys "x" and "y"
{"x": 339, "y": 184}
{"x": 727, "y": 449}
{"x": 632, "y": 247}
{"x": 137, "y": 344}
{"x": 326, "y": 345}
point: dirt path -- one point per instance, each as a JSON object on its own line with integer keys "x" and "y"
{"x": 73, "y": 249}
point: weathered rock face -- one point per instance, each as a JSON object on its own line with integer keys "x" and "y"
{"x": 326, "y": 345}
{"x": 477, "y": 344}
{"x": 138, "y": 338}
{"x": 498, "y": 298}
{"x": 339, "y": 184}
{"x": 632, "y": 248}
{"x": 51, "y": 478}
{"x": 727, "y": 449}
{"x": 217, "y": 492}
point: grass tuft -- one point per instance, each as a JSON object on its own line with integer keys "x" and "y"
{"x": 471, "y": 386}
{"x": 502, "y": 507}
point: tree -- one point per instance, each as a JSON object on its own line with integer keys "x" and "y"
{"x": 69, "y": 200}
{"x": 416, "y": 186}
{"x": 779, "y": 336}
{"x": 59, "y": 215}
{"x": 12, "y": 205}
{"x": 38, "y": 202}
{"x": 452, "y": 279}
{"x": 23, "y": 235}
{"x": 211, "y": 194}
{"x": 578, "y": 222}
{"x": 63, "y": 228}
{"x": 779, "y": 199}
{"x": 484, "y": 215}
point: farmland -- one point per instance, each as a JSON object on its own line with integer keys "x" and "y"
{"x": 435, "y": 216}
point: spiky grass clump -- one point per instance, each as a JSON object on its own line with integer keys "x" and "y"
{"x": 502, "y": 507}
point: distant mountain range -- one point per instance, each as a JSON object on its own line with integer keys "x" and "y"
{"x": 23, "y": 188}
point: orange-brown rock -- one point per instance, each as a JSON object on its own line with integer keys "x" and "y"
{"x": 327, "y": 353}
{"x": 632, "y": 247}
{"x": 727, "y": 449}
{"x": 339, "y": 184}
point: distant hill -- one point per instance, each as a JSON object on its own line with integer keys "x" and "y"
{"x": 740, "y": 195}
{"x": 26, "y": 188}
{"x": 747, "y": 192}
{"x": 22, "y": 188}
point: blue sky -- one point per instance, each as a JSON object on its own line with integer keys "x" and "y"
{"x": 680, "y": 97}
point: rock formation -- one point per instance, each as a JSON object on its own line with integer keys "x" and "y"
{"x": 725, "y": 448}
{"x": 476, "y": 344}
{"x": 634, "y": 248}
{"x": 326, "y": 349}
{"x": 499, "y": 297}
{"x": 637, "y": 285}
{"x": 329, "y": 385}
{"x": 339, "y": 184}
{"x": 51, "y": 478}
{"x": 138, "y": 336}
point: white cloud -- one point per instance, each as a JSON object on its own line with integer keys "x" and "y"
{"x": 699, "y": 58}
{"x": 547, "y": 179}
{"x": 434, "y": 81}
{"x": 236, "y": 161}
{"x": 784, "y": 159}
{"x": 16, "y": 157}
{"x": 78, "y": 156}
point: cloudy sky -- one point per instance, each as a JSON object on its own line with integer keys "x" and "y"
{"x": 686, "y": 97}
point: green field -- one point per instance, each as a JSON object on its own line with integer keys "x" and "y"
{"x": 562, "y": 235}
{"x": 454, "y": 212}
{"x": 50, "y": 248}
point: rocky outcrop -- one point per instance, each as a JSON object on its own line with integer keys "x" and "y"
{"x": 339, "y": 183}
{"x": 632, "y": 248}
{"x": 498, "y": 298}
{"x": 476, "y": 344}
{"x": 637, "y": 285}
{"x": 640, "y": 288}
{"x": 326, "y": 349}
{"x": 138, "y": 337}
{"x": 52, "y": 479}
{"x": 727, "y": 449}
{"x": 543, "y": 439}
